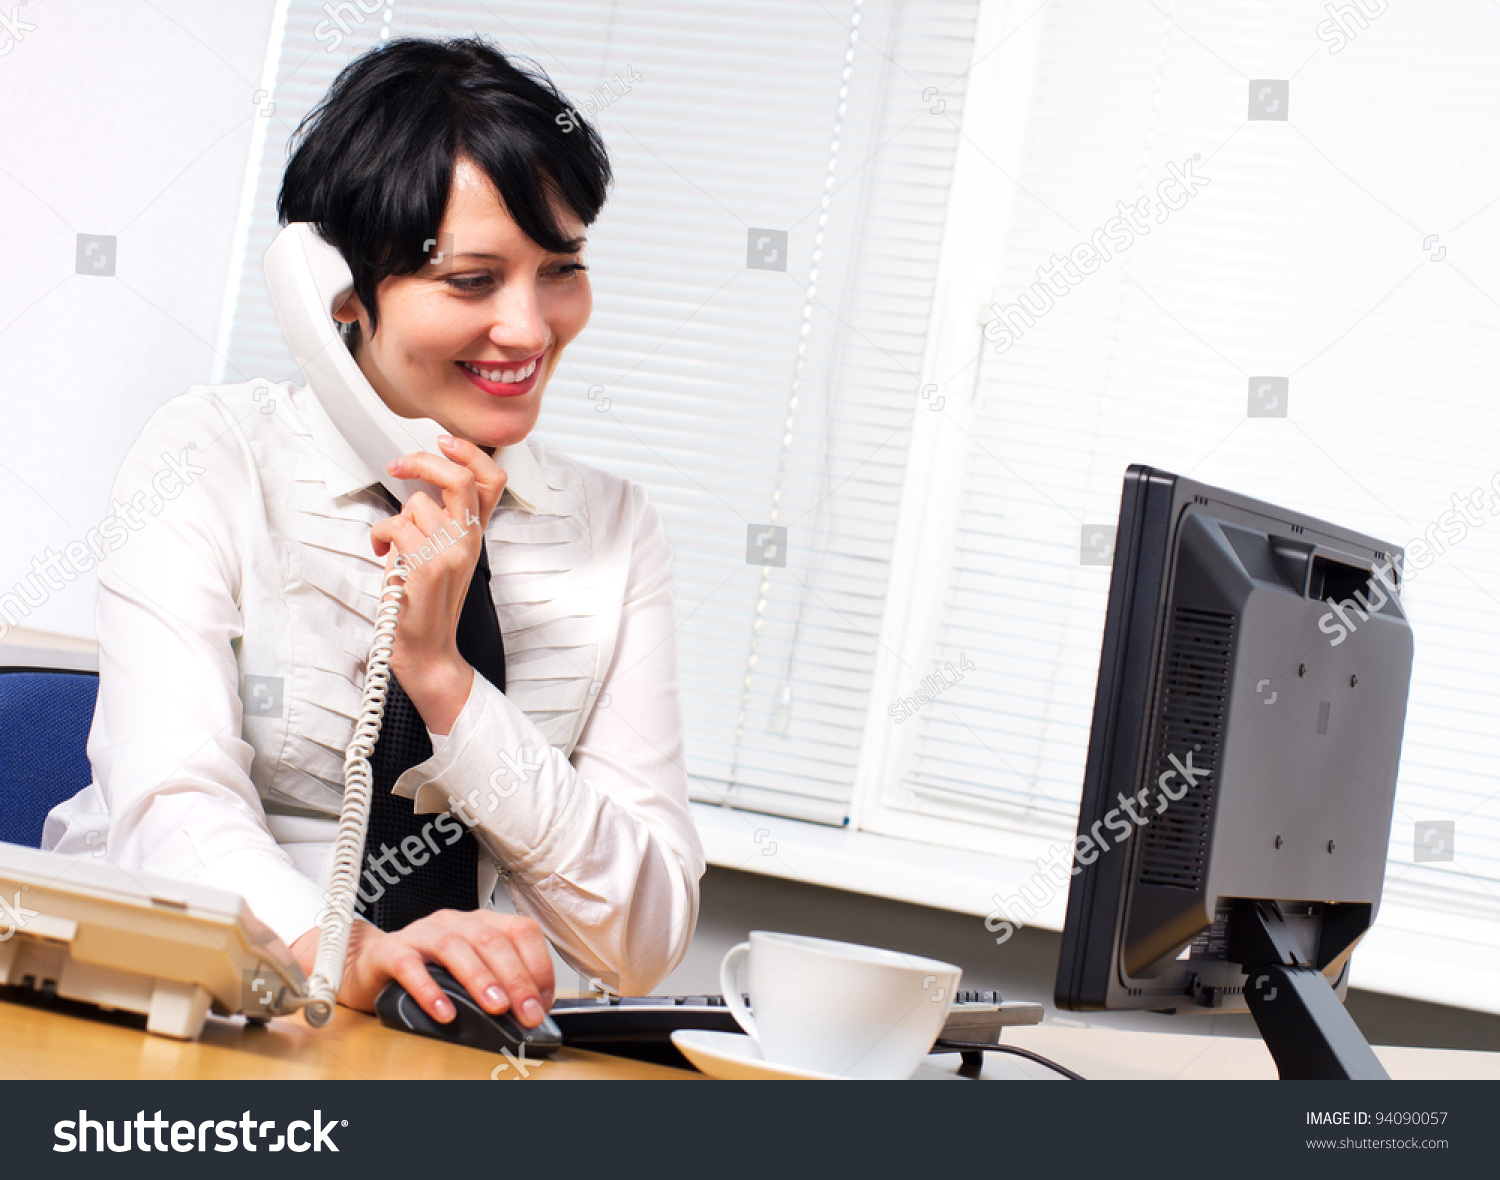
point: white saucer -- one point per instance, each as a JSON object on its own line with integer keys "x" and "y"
{"x": 735, "y": 1057}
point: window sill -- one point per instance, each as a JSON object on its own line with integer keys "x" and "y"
{"x": 933, "y": 875}
{"x": 1399, "y": 957}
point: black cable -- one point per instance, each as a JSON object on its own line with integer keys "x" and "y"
{"x": 944, "y": 1044}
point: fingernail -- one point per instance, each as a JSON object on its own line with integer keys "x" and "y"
{"x": 444, "y": 1008}
{"x": 446, "y": 440}
{"x": 494, "y": 995}
{"x": 393, "y": 466}
{"x": 531, "y": 1012}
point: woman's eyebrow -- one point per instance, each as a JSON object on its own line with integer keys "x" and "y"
{"x": 572, "y": 246}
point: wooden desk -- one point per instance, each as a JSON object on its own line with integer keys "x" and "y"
{"x": 42, "y": 1042}
{"x": 38, "y": 1042}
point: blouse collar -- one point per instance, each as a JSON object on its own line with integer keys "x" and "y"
{"x": 343, "y": 472}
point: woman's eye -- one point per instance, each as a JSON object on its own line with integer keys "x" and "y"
{"x": 480, "y": 282}
{"x": 468, "y": 282}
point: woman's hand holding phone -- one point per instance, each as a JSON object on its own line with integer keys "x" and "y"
{"x": 440, "y": 544}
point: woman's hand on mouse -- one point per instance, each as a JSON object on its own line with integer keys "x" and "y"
{"x": 440, "y": 544}
{"x": 501, "y": 959}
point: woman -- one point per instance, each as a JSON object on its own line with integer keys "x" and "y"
{"x": 235, "y": 622}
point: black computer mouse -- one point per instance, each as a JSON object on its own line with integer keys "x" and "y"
{"x": 472, "y": 1026}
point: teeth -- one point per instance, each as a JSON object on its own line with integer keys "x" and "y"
{"x": 503, "y": 376}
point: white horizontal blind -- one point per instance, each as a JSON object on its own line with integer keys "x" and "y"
{"x": 730, "y": 391}
{"x": 1351, "y": 248}
{"x": 741, "y": 397}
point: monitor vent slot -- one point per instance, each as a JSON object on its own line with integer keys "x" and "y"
{"x": 1195, "y": 701}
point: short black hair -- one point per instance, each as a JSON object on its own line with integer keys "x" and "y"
{"x": 374, "y": 164}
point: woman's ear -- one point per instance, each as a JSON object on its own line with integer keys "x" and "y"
{"x": 351, "y": 311}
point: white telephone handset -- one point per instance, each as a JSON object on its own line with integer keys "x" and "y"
{"x": 308, "y": 281}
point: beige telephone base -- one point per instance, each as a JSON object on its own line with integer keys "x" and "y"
{"x": 170, "y": 950}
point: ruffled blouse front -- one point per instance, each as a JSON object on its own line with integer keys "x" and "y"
{"x": 234, "y": 621}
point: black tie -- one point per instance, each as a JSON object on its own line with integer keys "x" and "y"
{"x": 448, "y": 878}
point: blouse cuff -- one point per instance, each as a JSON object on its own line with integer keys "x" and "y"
{"x": 280, "y": 896}
{"x": 416, "y": 782}
{"x": 500, "y": 776}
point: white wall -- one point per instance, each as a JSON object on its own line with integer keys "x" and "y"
{"x": 133, "y": 120}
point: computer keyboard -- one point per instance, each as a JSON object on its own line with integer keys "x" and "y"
{"x": 641, "y": 1026}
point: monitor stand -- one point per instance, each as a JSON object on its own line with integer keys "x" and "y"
{"x": 1307, "y": 1028}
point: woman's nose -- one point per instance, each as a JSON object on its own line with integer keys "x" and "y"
{"x": 519, "y": 325}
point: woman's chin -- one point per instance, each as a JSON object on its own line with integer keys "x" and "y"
{"x": 492, "y": 435}
{"x": 491, "y": 422}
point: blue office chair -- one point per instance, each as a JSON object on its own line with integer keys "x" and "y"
{"x": 45, "y": 715}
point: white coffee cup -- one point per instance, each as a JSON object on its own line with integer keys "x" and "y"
{"x": 836, "y": 1007}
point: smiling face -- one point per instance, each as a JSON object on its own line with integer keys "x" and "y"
{"x": 471, "y": 340}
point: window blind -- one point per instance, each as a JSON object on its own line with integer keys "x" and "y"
{"x": 762, "y": 279}
{"x": 1347, "y": 246}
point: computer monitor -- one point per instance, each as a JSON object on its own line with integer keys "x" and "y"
{"x": 1241, "y": 773}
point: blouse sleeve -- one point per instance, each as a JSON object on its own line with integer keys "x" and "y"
{"x": 166, "y": 745}
{"x": 600, "y": 850}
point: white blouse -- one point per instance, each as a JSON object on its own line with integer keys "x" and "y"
{"x": 237, "y": 600}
